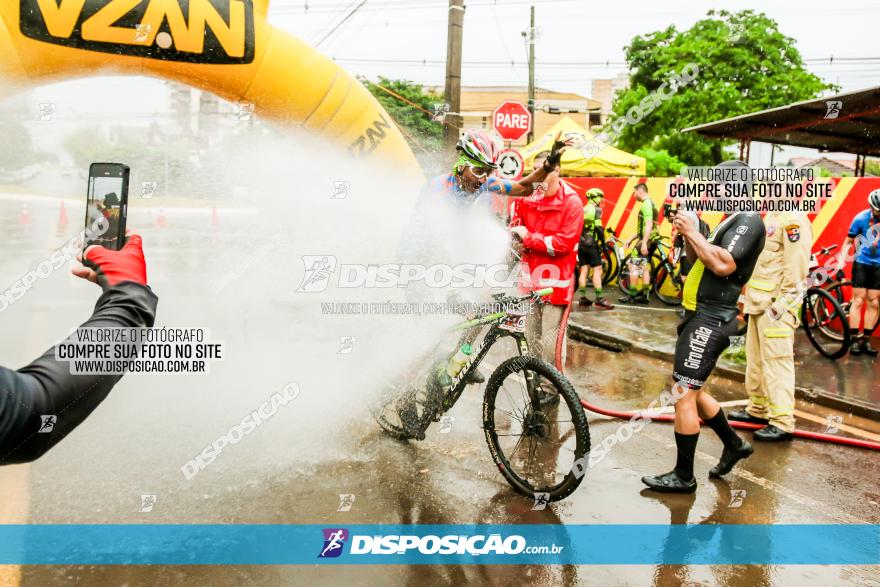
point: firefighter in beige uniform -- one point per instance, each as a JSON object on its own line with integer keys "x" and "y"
{"x": 772, "y": 304}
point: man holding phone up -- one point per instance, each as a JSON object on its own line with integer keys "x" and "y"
{"x": 46, "y": 388}
{"x": 723, "y": 264}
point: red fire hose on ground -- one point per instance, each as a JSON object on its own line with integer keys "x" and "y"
{"x": 560, "y": 341}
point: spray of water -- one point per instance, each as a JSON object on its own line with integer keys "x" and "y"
{"x": 280, "y": 196}
{"x": 377, "y": 222}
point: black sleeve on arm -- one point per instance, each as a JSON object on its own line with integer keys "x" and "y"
{"x": 743, "y": 238}
{"x": 46, "y": 386}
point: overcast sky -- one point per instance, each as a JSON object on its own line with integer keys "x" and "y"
{"x": 392, "y": 37}
{"x": 573, "y": 30}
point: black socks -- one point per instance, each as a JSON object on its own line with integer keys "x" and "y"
{"x": 719, "y": 424}
{"x": 687, "y": 448}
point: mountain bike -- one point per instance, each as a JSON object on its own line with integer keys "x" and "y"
{"x": 826, "y": 311}
{"x": 826, "y": 323}
{"x": 613, "y": 250}
{"x": 840, "y": 288}
{"x": 666, "y": 278}
{"x": 618, "y": 262}
{"x": 532, "y": 417}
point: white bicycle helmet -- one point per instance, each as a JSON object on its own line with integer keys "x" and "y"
{"x": 874, "y": 199}
{"x": 480, "y": 147}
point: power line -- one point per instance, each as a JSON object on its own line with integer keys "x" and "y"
{"x": 340, "y": 23}
{"x": 829, "y": 61}
{"x": 406, "y": 5}
{"x": 437, "y": 4}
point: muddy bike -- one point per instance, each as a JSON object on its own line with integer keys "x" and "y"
{"x": 532, "y": 417}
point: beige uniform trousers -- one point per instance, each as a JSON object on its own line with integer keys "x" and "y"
{"x": 770, "y": 368}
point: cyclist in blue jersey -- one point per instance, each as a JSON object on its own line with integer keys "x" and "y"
{"x": 865, "y": 232}
{"x": 474, "y": 171}
{"x": 473, "y": 175}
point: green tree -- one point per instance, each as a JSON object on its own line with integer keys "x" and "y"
{"x": 86, "y": 146}
{"x": 660, "y": 163}
{"x": 164, "y": 163}
{"x": 744, "y": 65}
{"x": 16, "y": 148}
{"x": 421, "y": 132}
{"x": 17, "y": 151}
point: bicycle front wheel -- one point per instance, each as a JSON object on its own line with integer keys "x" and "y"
{"x": 842, "y": 292}
{"x": 825, "y": 323}
{"x": 543, "y": 450}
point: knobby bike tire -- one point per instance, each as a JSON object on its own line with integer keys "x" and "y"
{"x": 579, "y": 421}
{"x": 660, "y": 275}
{"x": 813, "y": 323}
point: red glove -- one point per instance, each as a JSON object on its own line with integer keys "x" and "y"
{"x": 115, "y": 267}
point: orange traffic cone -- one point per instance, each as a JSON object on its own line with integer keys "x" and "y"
{"x": 161, "y": 221}
{"x": 62, "y": 216}
{"x": 214, "y": 220}
{"x": 25, "y": 216}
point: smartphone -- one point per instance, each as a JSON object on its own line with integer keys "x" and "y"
{"x": 107, "y": 205}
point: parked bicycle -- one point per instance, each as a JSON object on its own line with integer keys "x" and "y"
{"x": 825, "y": 311}
{"x": 667, "y": 280}
{"x": 615, "y": 261}
{"x": 533, "y": 420}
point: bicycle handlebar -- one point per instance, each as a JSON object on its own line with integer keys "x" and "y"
{"x": 534, "y": 295}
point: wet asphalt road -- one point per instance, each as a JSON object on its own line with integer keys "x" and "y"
{"x": 293, "y": 468}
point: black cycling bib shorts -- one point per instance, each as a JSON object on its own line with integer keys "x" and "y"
{"x": 701, "y": 340}
{"x": 865, "y": 276}
{"x": 589, "y": 254}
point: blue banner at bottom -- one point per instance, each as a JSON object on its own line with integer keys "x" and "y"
{"x": 634, "y": 544}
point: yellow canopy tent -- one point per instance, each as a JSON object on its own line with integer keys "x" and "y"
{"x": 587, "y": 157}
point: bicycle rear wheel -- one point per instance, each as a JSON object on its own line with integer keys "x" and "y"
{"x": 609, "y": 266}
{"x": 825, "y": 323}
{"x": 666, "y": 285}
{"x": 407, "y": 406}
{"x": 539, "y": 451}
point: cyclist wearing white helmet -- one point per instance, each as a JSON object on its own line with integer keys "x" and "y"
{"x": 865, "y": 233}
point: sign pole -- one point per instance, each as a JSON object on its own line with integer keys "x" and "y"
{"x": 531, "y": 40}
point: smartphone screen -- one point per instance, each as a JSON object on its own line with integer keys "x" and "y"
{"x": 107, "y": 205}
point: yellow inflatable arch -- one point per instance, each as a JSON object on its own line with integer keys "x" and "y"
{"x": 223, "y": 46}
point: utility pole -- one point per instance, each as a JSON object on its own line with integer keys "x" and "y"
{"x": 452, "y": 92}
{"x": 531, "y": 38}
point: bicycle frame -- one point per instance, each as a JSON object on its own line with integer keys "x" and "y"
{"x": 496, "y": 332}
{"x": 618, "y": 248}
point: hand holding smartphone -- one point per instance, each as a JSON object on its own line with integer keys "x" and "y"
{"x": 107, "y": 205}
